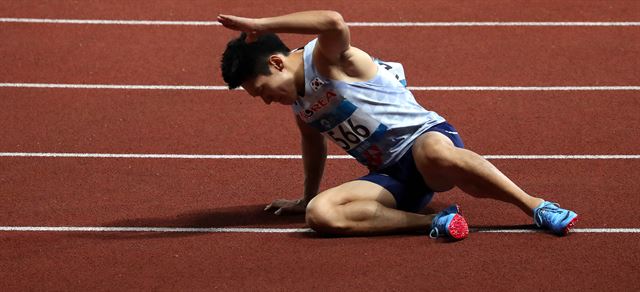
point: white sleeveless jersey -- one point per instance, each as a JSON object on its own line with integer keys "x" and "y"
{"x": 375, "y": 121}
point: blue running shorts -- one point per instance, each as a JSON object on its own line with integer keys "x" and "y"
{"x": 403, "y": 180}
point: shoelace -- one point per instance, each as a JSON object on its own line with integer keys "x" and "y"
{"x": 436, "y": 231}
{"x": 546, "y": 209}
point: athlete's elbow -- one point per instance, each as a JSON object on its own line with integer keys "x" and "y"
{"x": 335, "y": 21}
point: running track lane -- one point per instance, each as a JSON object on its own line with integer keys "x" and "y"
{"x": 122, "y": 192}
{"x": 572, "y": 266}
{"x": 401, "y": 10}
{"x": 231, "y": 122}
{"x": 484, "y": 56}
{"x": 204, "y": 262}
{"x": 221, "y": 193}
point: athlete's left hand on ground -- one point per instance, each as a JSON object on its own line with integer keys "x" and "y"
{"x": 284, "y": 206}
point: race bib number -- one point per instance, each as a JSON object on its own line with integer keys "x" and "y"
{"x": 354, "y": 130}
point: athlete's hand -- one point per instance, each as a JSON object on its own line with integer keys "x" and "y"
{"x": 284, "y": 206}
{"x": 251, "y": 26}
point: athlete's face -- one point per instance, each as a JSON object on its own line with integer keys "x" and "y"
{"x": 278, "y": 87}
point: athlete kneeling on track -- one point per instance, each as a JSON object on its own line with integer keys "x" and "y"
{"x": 339, "y": 92}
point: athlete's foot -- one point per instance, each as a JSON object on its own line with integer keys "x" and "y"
{"x": 449, "y": 223}
{"x": 549, "y": 215}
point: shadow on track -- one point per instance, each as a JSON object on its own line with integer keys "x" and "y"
{"x": 236, "y": 216}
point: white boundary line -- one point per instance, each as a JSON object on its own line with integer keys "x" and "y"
{"x": 521, "y": 88}
{"x": 265, "y": 230}
{"x": 484, "y": 23}
{"x": 113, "y": 86}
{"x": 150, "y": 229}
{"x": 573, "y": 230}
{"x": 281, "y": 157}
{"x": 562, "y": 156}
{"x": 414, "y": 88}
{"x": 362, "y": 24}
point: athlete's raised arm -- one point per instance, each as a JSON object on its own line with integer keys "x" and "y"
{"x": 333, "y": 33}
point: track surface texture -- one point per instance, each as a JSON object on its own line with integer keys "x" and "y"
{"x": 217, "y": 236}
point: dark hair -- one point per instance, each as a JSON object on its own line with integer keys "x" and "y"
{"x": 242, "y": 61}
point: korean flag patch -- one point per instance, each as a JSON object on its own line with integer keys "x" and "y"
{"x": 316, "y": 83}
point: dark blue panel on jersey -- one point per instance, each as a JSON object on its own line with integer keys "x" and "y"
{"x": 333, "y": 118}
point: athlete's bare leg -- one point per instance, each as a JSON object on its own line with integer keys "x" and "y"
{"x": 361, "y": 208}
{"x": 444, "y": 166}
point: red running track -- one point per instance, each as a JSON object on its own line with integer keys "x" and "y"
{"x": 184, "y": 193}
{"x": 231, "y": 193}
{"x": 205, "y": 262}
{"x": 117, "y": 192}
{"x": 454, "y": 56}
{"x": 402, "y": 10}
{"x": 229, "y": 122}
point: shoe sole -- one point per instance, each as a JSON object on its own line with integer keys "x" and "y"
{"x": 458, "y": 228}
{"x": 571, "y": 224}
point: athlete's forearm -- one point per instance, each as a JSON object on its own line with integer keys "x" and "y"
{"x": 306, "y": 22}
{"x": 314, "y": 154}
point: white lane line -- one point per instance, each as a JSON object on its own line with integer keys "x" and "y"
{"x": 520, "y": 88}
{"x": 109, "y": 22}
{"x": 285, "y": 157}
{"x": 265, "y": 230}
{"x": 413, "y": 88}
{"x": 573, "y": 230}
{"x": 113, "y": 86}
{"x": 150, "y": 229}
{"x": 562, "y": 156}
{"x": 485, "y": 23}
{"x": 365, "y": 24}
{"x": 159, "y": 156}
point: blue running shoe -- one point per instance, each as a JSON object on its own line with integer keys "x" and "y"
{"x": 549, "y": 215}
{"x": 449, "y": 223}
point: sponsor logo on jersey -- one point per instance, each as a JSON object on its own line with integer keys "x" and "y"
{"x": 307, "y": 114}
{"x": 320, "y": 104}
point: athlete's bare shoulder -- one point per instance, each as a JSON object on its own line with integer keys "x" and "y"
{"x": 352, "y": 65}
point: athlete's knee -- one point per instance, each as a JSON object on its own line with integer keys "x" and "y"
{"x": 323, "y": 216}
{"x": 437, "y": 160}
{"x": 434, "y": 152}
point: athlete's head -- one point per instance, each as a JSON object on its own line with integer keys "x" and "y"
{"x": 259, "y": 67}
